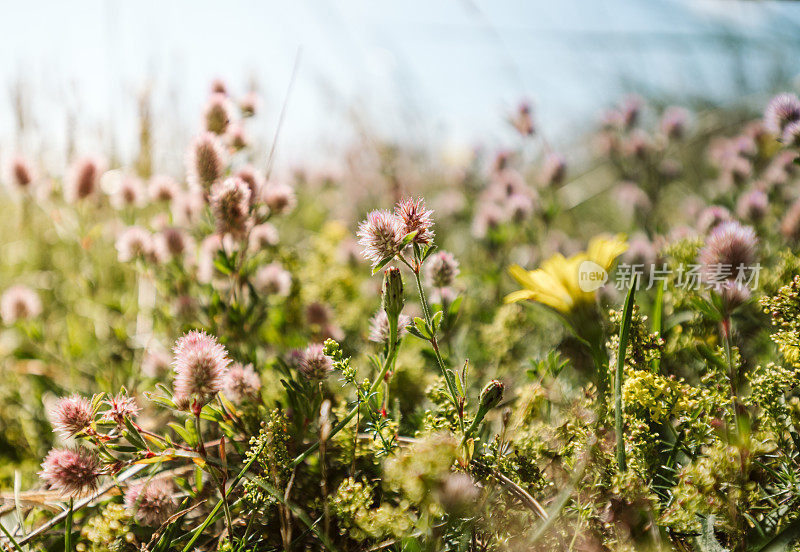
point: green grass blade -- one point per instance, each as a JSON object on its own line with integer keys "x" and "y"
{"x": 625, "y": 327}
{"x": 16, "y": 545}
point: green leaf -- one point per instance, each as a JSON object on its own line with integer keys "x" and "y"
{"x": 781, "y": 541}
{"x": 428, "y": 252}
{"x": 133, "y": 436}
{"x": 422, "y": 328}
{"x": 383, "y": 263}
{"x": 437, "y": 319}
{"x": 408, "y": 238}
{"x": 707, "y": 541}
{"x": 183, "y": 433}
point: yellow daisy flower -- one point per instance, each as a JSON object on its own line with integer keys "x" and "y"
{"x": 557, "y": 283}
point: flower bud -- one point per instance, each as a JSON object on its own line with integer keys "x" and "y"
{"x": 491, "y": 395}
{"x": 392, "y": 300}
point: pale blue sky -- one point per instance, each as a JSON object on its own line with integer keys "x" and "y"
{"x": 441, "y": 72}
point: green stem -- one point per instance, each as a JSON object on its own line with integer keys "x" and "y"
{"x": 388, "y": 362}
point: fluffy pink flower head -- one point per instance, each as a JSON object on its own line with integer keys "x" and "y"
{"x": 71, "y": 415}
{"x": 162, "y": 188}
{"x": 19, "y": 303}
{"x": 249, "y": 104}
{"x": 217, "y": 113}
{"x": 315, "y": 364}
{"x": 554, "y": 170}
{"x": 230, "y": 203}
{"x": 631, "y": 110}
{"x": 416, "y": 218}
{"x": 200, "y": 363}
{"x": 152, "y": 503}
{"x": 20, "y": 173}
{"x": 71, "y": 471}
{"x": 273, "y": 279}
{"x": 134, "y": 243}
{"x": 236, "y": 137}
{"x": 263, "y": 236}
{"x": 380, "y": 236}
{"x": 242, "y": 383}
{"x": 279, "y": 197}
{"x": 254, "y": 180}
{"x": 171, "y": 243}
{"x": 379, "y": 326}
{"x": 711, "y": 217}
{"x": 120, "y": 407}
{"x": 130, "y": 193}
{"x": 187, "y": 206}
{"x": 781, "y": 110}
{"x": 218, "y": 86}
{"x": 523, "y": 120}
{"x": 441, "y": 269}
{"x": 83, "y": 179}
{"x": 733, "y": 295}
{"x": 206, "y": 160}
{"x": 729, "y": 245}
{"x": 752, "y": 206}
{"x": 674, "y": 121}
{"x": 488, "y": 217}
{"x": 790, "y": 225}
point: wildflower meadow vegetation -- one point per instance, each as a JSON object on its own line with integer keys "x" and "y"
{"x": 517, "y": 350}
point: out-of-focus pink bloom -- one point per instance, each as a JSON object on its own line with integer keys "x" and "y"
{"x": 254, "y": 180}
{"x": 230, "y": 203}
{"x": 163, "y": 188}
{"x": 554, "y": 169}
{"x": 83, "y": 179}
{"x": 236, "y": 136}
{"x": 711, "y": 217}
{"x": 263, "y": 236}
{"x": 279, "y": 197}
{"x": 187, "y": 207}
{"x": 674, "y": 122}
{"x": 315, "y": 364}
{"x": 752, "y": 206}
{"x": 134, "y": 243}
{"x": 730, "y": 247}
{"x": 217, "y": 113}
{"x": 273, "y": 279}
{"x": 441, "y": 269}
{"x": 20, "y": 173}
{"x": 249, "y": 104}
{"x": 379, "y": 326}
{"x": 781, "y": 110}
{"x": 242, "y": 383}
{"x": 155, "y": 362}
{"x": 205, "y": 161}
{"x": 151, "y": 503}
{"x": 19, "y": 303}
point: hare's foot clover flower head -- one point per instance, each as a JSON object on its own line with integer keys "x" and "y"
{"x": 72, "y": 415}
{"x": 19, "y": 303}
{"x": 559, "y": 283}
{"x": 120, "y": 407}
{"x": 441, "y": 269}
{"x": 217, "y": 113}
{"x": 315, "y": 365}
{"x": 20, "y": 174}
{"x": 152, "y": 503}
{"x": 200, "y": 363}
{"x": 254, "y": 180}
{"x": 752, "y": 206}
{"x": 273, "y": 279}
{"x": 162, "y": 188}
{"x": 71, "y": 471}
{"x": 230, "y": 203}
{"x": 379, "y": 326}
{"x": 554, "y": 170}
{"x": 206, "y": 161}
{"x": 729, "y": 249}
{"x": 781, "y": 111}
{"x": 279, "y": 197}
{"x": 381, "y": 236}
{"x": 416, "y": 218}
{"x": 242, "y": 383}
{"x": 263, "y": 236}
{"x": 134, "y": 243}
{"x": 83, "y": 179}
{"x": 674, "y": 122}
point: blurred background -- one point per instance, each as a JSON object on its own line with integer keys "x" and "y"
{"x": 441, "y": 75}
